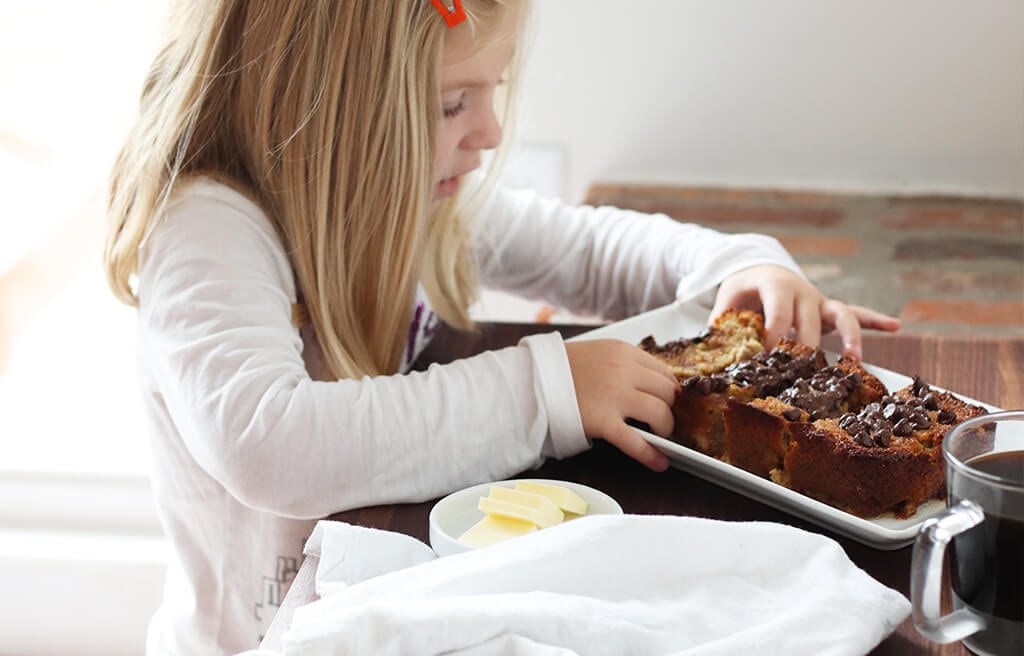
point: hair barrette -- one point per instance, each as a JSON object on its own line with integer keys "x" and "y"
{"x": 452, "y": 15}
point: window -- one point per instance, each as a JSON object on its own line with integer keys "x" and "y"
{"x": 75, "y": 508}
{"x": 71, "y": 74}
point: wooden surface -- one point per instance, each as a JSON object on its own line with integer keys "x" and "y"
{"x": 987, "y": 369}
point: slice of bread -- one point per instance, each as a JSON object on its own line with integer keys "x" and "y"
{"x": 734, "y": 337}
{"x": 885, "y": 458}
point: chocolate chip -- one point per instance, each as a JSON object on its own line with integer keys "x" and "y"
{"x": 791, "y": 414}
{"x": 903, "y": 428}
{"x": 882, "y": 436}
{"x": 931, "y": 401}
{"x": 946, "y": 416}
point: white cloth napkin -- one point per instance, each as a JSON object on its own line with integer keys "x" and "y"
{"x": 625, "y": 584}
{"x": 349, "y": 554}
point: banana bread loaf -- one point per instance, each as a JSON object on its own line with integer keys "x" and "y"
{"x": 832, "y": 432}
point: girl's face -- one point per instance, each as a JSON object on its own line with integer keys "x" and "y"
{"x": 469, "y": 76}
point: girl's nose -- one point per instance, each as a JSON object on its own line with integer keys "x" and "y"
{"x": 486, "y": 132}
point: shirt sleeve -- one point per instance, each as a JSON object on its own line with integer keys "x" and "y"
{"x": 216, "y": 338}
{"x": 608, "y": 261}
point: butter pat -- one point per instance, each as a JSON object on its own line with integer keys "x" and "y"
{"x": 524, "y": 498}
{"x": 564, "y": 498}
{"x": 528, "y": 507}
{"x": 543, "y": 516}
{"x": 493, "y": 529}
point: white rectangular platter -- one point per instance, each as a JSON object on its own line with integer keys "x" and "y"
{"x": 685, "y": 320}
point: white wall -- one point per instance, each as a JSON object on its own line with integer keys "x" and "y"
{"x": 873, "y": 95}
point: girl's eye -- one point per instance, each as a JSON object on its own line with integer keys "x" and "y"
{"x": 454, "y": 110}
{"x": 453, "y": 106}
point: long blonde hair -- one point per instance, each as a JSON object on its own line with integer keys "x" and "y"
{"x": 324, "y": 113}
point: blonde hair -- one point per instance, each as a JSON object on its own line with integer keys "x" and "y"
{"x": 323, "y": 113}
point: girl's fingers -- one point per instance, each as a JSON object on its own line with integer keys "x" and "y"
{"x": 629, "y": 442}
{"x": 778, "y": 316}
{"x": 657, "y": 366}
{"x": 874, "y": 320}
{"x": 656, "y": 385}
{"x": 850, "y": 321}
{"x": 722, "y": 303}
{"x": 653, "y": 411}
{"x": 744, "y": 299}
{"x": 846, "y": 324}
{"x": 809, "y": 315}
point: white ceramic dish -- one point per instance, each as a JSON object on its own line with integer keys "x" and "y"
{"x": 683, "y": 320}
{"x": 453, "y": 515}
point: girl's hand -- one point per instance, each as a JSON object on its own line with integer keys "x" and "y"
{"x": 790, "y": 303}
{"x": 616, "y": 381}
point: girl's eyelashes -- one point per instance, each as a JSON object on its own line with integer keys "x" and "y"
{"x": 455, "y": 110}
{"x": 452, "y": 106}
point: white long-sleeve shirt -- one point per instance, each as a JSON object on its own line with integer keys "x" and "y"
{"x": 249, "y": 450}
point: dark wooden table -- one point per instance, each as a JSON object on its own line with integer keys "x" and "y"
{"x": 988, "y": 369}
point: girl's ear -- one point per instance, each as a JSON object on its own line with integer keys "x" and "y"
{"x": 452, "y": 15}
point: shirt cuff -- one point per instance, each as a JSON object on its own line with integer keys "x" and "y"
{"x": 552, "y": 383}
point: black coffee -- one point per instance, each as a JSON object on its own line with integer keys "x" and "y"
{"x": 987, "y": 561}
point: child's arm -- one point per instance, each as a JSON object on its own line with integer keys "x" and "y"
{"x": 617, "y": 263}
{"x": 609, "y": 261}
{"x": 223, "y": 378}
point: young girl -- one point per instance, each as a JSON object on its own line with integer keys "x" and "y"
{"x": 293, "y": 215}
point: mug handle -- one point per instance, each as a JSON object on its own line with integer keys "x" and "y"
{"x": 926, "y": 575}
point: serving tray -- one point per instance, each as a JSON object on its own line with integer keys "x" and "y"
{"x": 681, "y": 320}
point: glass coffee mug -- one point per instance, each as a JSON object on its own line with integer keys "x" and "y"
{"x": 981, "y": 534}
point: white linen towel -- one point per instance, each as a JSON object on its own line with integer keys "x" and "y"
{"x": 349, "y": 554}
{"x": 598, "y": 585}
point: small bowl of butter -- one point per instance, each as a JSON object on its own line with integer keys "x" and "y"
{"x": 489, "y": 513}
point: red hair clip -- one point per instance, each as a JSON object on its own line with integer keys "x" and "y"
{"x": 453, "y": 15}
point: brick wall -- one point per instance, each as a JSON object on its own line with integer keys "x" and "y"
{"x": 940, "y": 264}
